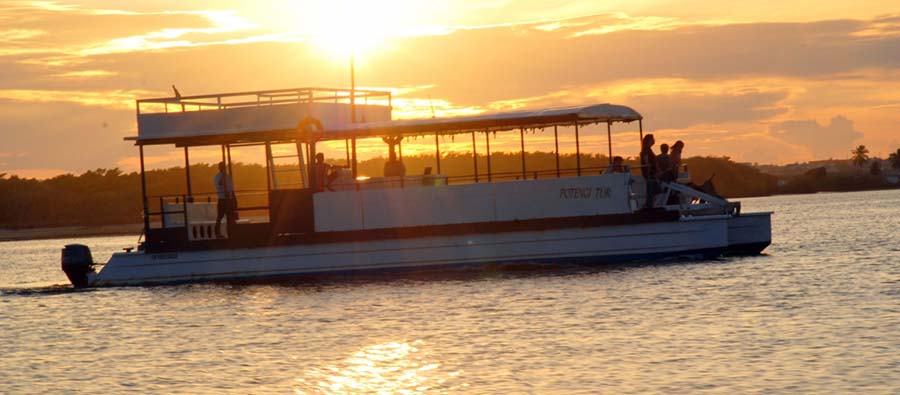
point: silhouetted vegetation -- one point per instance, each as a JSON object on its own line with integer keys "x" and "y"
{"x": 875, "y": 169}
{"x": 844, "y": 175}
{"x": 109, "y": 196}
{"x": 860, "y": 156}
{"x": 894, "y": 159}
{"x": 834, "y": 183}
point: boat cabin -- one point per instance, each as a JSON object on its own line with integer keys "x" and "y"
{"x": 304, "y": 204}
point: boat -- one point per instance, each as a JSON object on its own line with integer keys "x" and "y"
{"x": 308, "y": 226}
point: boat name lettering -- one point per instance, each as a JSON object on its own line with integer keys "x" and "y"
{"x": 585, "y": 193}
{"x": 164, "y": 256}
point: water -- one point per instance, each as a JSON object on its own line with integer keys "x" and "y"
{"x": 819, "y": 314}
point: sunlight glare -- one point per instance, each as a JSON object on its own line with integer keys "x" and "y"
{"x": 345, "y": 27}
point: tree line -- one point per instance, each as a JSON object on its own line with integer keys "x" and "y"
{"x": 111, "y": 196}
{"x": 860, "y": 156}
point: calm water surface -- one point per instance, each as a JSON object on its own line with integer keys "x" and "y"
{"x": 819, "y": 314}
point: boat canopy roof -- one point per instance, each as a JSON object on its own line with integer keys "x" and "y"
{"x": 600, "y": 113}
{"x": 537, "y": 119}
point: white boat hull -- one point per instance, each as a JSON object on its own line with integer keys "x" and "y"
{"x": 749, "y": 234}
{"x": 708, "y": 235}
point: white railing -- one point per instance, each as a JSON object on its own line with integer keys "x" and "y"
{"x": 220, "y": 101}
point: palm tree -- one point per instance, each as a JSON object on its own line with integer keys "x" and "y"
{"x": 860, "y": 156}
{"x": 894, "y": 159}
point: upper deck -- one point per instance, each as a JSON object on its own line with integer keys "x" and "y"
{"x": 253, "y": 116}
{"x": 299, "y": 200}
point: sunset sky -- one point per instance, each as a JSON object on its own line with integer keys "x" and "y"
{"x": 764, "y": 81}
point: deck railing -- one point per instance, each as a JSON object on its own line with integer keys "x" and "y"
{"x": 221, "y": 101}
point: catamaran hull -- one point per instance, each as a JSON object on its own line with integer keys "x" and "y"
{"x": 704, "y": 236}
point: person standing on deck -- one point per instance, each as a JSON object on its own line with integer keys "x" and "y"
{"x": 226, "y": 205}
{"x": 665, "y": 163}
{"x": 675, "y": 158}
{"x": 649, "y": 168}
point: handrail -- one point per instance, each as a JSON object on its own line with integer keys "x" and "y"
{"x": 265, "y": 97}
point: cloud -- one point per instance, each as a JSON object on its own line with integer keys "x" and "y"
{"x": 723, "y": 84}
{"x": 9, "y": 98}
{"x": 670, "y": 103}
{"x": 674, "y": 110}
{"x": 62, "y": 135}
{"x": 832, "y": 140}
{"x": 53, "y": 34}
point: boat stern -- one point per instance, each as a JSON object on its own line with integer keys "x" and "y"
{"x": 749, "y": 234}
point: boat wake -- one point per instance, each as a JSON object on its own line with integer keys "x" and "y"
{"x": 38, "y": 289}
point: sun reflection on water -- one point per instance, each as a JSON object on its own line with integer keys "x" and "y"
{"x": 386, "y": 368}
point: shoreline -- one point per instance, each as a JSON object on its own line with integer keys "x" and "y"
{"x": 65, "y": 232}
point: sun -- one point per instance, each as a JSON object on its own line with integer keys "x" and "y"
{"x": 352, "y": 27}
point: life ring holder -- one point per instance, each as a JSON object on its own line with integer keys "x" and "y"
{"x": 310, "y": 129}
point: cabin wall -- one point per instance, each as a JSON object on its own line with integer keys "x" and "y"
{"x": 471, "y": 203}
{"x": 253, "y": 119}
{"x": 562, "y": 197}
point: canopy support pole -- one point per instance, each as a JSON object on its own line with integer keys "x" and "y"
{"x": 144, "y": 193}
{"x": 577, "y": 152}
{"x": 353, "y": 158}
{"x": 437, "y": 153}
{"x": 609, "y": 140}
{"x": 352, "y": 88}
{"x": 301, "y": 163}
{"x": 475, "y": 157}
{"x": 187, "y": 172}
{"x": 347, "y": 150}
{"x": 268, "y": 165}
{"x": 522, "y": 144}
{"x": 313, "y": 177}
{"x": 487, "y": 144}
{"x": 230, "y": 169}
{"x": 641, "y": 129}
{"x": 556, "y": 150}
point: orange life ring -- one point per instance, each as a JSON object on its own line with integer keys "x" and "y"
{"x": 310, "y": 129}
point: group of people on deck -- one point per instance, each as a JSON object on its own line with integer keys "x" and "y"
{"x": 655, "y": 169}
{"x": 659, "y": 168}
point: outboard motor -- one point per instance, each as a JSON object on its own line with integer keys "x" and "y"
{"x": 77, "y": 262}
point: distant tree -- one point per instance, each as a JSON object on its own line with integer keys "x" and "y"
{"x": 875, "y": 169}
{"x": 860, "y": 156}
{"x": 894, "y": 159}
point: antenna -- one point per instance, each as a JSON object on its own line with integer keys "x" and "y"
{"x": 432, "y": 106}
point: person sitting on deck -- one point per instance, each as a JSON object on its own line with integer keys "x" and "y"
{"x": 649, "y": 169}
{"x": 393, "y": 167}
{"x": 616, "y": 166}
{"x": 323, "y": 170}
{"x": 226, "y": 204}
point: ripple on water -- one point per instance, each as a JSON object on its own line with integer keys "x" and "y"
{"x": 818, "y": 314}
